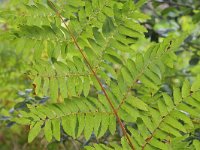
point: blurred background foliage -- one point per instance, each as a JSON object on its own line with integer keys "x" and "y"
{"x": 167, "y": 17}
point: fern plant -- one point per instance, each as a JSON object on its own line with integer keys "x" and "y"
{"x": 84, "y": 58}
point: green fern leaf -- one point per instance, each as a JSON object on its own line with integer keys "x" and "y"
{"x": 34, "y": 131}
{"x": 48, "y": 130}
{"x": 56, "y": 129}
{"x": 186, "y": 89}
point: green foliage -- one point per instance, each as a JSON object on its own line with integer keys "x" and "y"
{"x": 85, "y": 56}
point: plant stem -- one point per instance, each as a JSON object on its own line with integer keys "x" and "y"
{"x": 95, "y": 75}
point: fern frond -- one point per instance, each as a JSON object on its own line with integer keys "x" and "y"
{"x": 99, "y": 31}
{"x": 77, "y": 116}
{"x": 168, "y": 118}
{"x": 63, "y": 76}
{"x": 101, "y": 45}
{"x": 163, "y": 123}
{"x": 147, "y": 70}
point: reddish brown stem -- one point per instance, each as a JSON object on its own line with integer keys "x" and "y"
{"x": 94, "y": 73}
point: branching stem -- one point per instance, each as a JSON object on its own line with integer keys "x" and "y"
{"x": 95, "y": 75}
